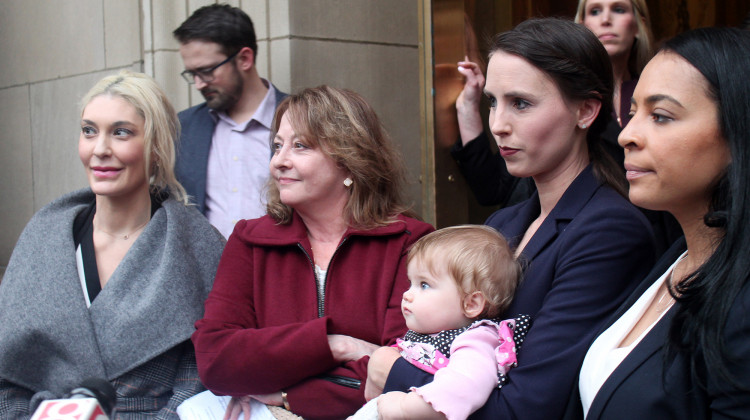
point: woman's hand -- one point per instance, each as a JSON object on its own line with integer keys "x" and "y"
{"x": 378, "y": 369}
{"x": 348, "y": 349}
{"x": 269, "y": 399}
{"x": 241, "y": 405}
{"x": 467, "y": 104}
{"x": 237, "y": 406}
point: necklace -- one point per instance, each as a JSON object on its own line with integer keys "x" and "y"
{"x": 126, "y": 236}
{"x": 658, "y": 308}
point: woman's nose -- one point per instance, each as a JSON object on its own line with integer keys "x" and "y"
{"x": 101, "y": 147}
{"x": 279, "y": 154}
{"x": 499, "y": 124}
{"x": 629, "y": 137}
{"x": 280, "y": 158}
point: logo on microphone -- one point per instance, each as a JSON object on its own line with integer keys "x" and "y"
{"x": 78, "y": 409}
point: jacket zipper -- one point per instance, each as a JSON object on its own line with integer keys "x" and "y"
{"x": 321, "y": 299}
{"x": 336, "y": 379}
{"x": 315, "y": 276}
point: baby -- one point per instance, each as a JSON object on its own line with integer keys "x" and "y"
{"x": 460, "y": 278}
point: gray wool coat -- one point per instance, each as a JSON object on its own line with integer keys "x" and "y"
{"x": 50, "y": 340}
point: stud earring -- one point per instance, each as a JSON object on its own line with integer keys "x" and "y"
{"x": 583, "y": 126}
{"x": 348, "y": 182}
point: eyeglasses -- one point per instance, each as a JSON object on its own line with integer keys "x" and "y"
{"x": 206, "y": 75}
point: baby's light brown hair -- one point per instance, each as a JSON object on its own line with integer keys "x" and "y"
{"x": 477, "y": 258}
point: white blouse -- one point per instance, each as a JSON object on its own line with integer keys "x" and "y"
{"x": 82, "y": 275}
{"x": 605, "y": 354}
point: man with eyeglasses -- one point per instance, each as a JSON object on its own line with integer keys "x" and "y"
{"x": 224, "y": 151}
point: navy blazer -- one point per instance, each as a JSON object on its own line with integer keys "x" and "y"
{"x": 585, "y": 258}
{"x": 191, "y": 166}
{"x": 641, "y": 389}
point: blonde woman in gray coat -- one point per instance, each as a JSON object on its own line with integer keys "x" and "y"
{"x": 107, "y": 281}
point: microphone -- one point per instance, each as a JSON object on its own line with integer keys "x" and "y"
{"x": 93, "y": 399}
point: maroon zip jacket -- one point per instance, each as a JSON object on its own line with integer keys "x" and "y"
{"x": 265, "y": 327}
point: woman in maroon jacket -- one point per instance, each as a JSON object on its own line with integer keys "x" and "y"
{"x": 306, "y": 293}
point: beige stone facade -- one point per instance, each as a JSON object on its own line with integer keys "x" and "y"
{"x": 53, "y": 51}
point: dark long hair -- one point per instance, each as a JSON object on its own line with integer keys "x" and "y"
{"x": 575, "y": 59}
{"x": 720, "y": 55}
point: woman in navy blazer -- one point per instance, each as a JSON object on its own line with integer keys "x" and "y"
{"x": 585, "y": 247}
{"x": 679, "y": 348}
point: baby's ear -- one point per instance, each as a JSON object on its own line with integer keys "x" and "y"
{"x": 474, "y": 304}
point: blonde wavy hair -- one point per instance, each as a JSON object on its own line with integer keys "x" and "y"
{"x": 346, "y": 128}
{"x": 162, "y": 127}
{"x": 477, "y": 258}
{"x": 643, "y": 47}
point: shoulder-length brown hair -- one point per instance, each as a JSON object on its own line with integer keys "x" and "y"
{"x": 348, "y": 130}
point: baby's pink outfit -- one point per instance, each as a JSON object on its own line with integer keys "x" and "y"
{"x": 478, "y": 361}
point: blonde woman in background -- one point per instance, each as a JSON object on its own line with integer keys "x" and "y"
{"x": 624, "y": 28}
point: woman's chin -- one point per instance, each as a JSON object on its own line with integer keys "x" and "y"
{"x": 518, "y": 171}
{"x": 645, "y": 201}
{"x": 112, "y": 190}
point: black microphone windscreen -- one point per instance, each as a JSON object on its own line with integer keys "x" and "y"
{"x": 100, "y": 389}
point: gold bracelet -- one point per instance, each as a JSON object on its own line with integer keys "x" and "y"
{"x": 285, "y": 401}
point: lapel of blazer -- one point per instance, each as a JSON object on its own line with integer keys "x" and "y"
{"x": 651, "y": 343}
{"x": 660, "y": 267}
{"x": 572, "y": 201}
{"x": 198, "y": 132}
{"x": 279, "y": 95}
{"x": 516, "y": 219}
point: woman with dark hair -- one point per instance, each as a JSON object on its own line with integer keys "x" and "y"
{"x": 584, "y": 246}
{"x": 624, "y": 29}
{"x": 306, "y": 293}
{"x": 680, "y": 345}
